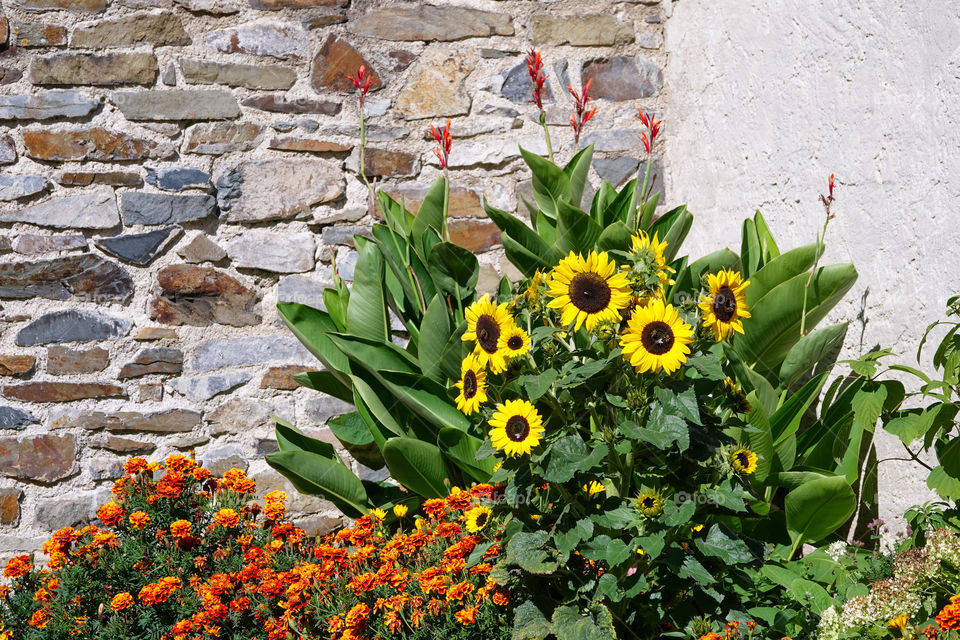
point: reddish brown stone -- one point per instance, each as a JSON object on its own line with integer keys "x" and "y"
{"x": 95, "y": 143}
{"x": 4, "y": 31}
{"x": 216, "y": 138}
{"x": 402, "y": 59}
{"x": 111, "y": 178}
{"x": 61, "y": 391}
{"x": 62, "y": 361}
{"x": 334, "y": 65}
{"x": 16, "y": 365}
{"x": 10, "y": 506}
{"x": 276, "y": 5}
{"x": 280, "y": 104}
{"x": 84, "y": 276}
{"x": 390, "y": 164}
{"x": 324, "y": 19}
{"x": 279, "y": 377}
{"x": 119, "y": 444}
{"x": 475, "y": 235}
{"x": 69, "y": 5}
{"x": 39, "y": 35}
{"x": 201, "y": 296}
{"x": 309, "y": 145}
{"x": 42, "y": 458}
{"x": 464, "y": 202}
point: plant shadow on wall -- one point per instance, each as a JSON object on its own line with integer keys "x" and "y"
{"x": 654, "y": 420}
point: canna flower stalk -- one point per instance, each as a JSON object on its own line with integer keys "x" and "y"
{"x": 827, "y": 201}
{"x": 580, "y": 116}
{"x": 444, "y": 144}
{"x": 362, "y": 81}
{"x": 648, "y": 136}
{"x": 539, "y": 79}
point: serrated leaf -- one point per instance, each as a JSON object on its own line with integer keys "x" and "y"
{"x": 529, "y": 551}
{"x": 728, "y": 549}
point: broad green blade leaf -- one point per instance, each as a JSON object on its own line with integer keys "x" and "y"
{"x": 570, "y": 623}
{"x": 946, "y": 486}
{"x": 514, "y": 229}
{"x": 367, "y": 312}
{"x": 576, "y": 231}
{"x": 750, "y": 251}
{"x": 774, "y": 326}
{"x": 373, "y": 355}
{"x": 336, "y": 308}
{"x": 453, "y": 354}
{"x": 426, "y": 398}
{"x": 817, "y": 508}
{"x": 325, "y": 382}
{"x": 311, "y": 327}
{"x": 397, "y": 217}
{"x": 550, "y": 183}
{"x": 430, "y": 215}
{"x": 785, "y": 422}
{"x": 434, "y": 332}
{"x": 576, "y": 172}
{"x": 768, "y": 246}
{"x": 615, "y": 237}
{"x": 673, "y": 228}
{"x": 620, "y": 206}
{"x": 289, "y": 438}
{"x": 949, "y": 457}
{"x": 352, "y": 432}
{"x": 417, "y": 465}
{"x": 760, "y": 440}
{"x": 810, "y": 350}
{"x": 462, "y": 449}
{"x": 315, "y": 475}
{"x": 454, "y": 269}
{"x": 779, "y": 270}
{"x": 376, "y": 406}
{"x": 688, "y": 278}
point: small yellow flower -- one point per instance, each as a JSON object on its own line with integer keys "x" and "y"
{"x": 378, "y": 514}
{"x": 899, "y": 623}
{"x": 400, "y": 510}
{"x": 418, "y": 523}
{"x": 744, "y": 461}
{"x": 697, "y": 528}
{"x": 477, "y": 518}
{"x": 650, "y": 503}
{"x": 593, "y": 487}
{"x": 641, "y": 552}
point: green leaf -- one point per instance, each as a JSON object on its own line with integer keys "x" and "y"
{"x": 683, "y": 404}
{"x": 454, "y": 269}
{"x": 946, "y": 486}
{"x": 529, "y": 551}
{"x": 289, "y": 438}
{"x": 570, "y": 623}
{"x": 352, "y": 432}
{"x": 949, "y": 457}
{"x": 417, "y": 465}
{"x": 367, "y": 312}
{"x": 525, "y": 244}
{"x": 691, "y": 568}
{"x": 809, "y": 350}
{"x": 430, "y": 215}
{"x": 325, "y": 382}
{"x": 672, "y": 228}
{"x": 568, "y": 455}
{"x": 817, "y": 508}
{"x": 576, "y": 172}
{"x": 868, "y": 405}
{"x": 615, "y": 237}
{"x": 529, "y": 623}
{"x": 536, "y": 385}
{"x": 311, "y": 327}
{"x": 426, "y": 398}
{"x": 550, "y": 183}
{"x": 729, "y": 550}
{"x": 779, "y": 270}
{"x": 336, "y": 308}
{"x": 434, "y": 332}
{"x": 768, "y": 246}
{"x": 662, "y": 430}
{"x": 576, "y": 231}
{"x": 316, "y": 475}
{"x": 750, "y": 253}
{"x": 374, "y": 356}
{"x": 462, "y": 449}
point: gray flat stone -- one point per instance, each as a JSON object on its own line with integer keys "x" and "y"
{"x": 221, "y": 459}
{"x": 86, "y": 276}
{"x": 32, "y": 243}
{"x": 72, "y": 326}
{"x": 239, "y": 352}
{"x": 295, "y": 186}
{"x": 251, "y": 76}
{"x": 140, "y": 207}
{"x": 201, "y": 388}
{"x": 304, "y": 289}
{"x": 320, "y": 407}
{"x": 615, "y": 170}
{"x": 16, "y": 187}
{"x": 615, "y": 140}
{"x": 178, "y": 178}
{"x": 283, "y": 40}
{"x": 11, "y": 418}
{"x": 51, "y": 104}
{"x": 200, "y": 248}
{"x": 518, "y": 88}
{"x": 88, "y": 211}
{"x": 139, "y": 248}
{"x": 280, "y": 252}
{"x": 183, "y": 104}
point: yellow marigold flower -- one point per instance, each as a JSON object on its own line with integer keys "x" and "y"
{"x": 400, "y": 510}
{"x": 418, "y": 523}
{"x": 139, "y": 520}
{"x": 899, "y": 623}
{"x": 275, "y": 496}
{"x": 726, "y": 305}
{"x": 180, "y": 528}
{"x": 593, "y": 487}
{"x": 227, "y": 518}
{"x": 743, "y": 460}
{"x": 467, "y": 615}
{"x": 477, "y": 518}
{"x": 378, "y": 514}
{"x": 121, "y": 601}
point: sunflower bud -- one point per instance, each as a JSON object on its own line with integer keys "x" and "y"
{"x": 606, "y": 331}
{"x": 701, "y": 626}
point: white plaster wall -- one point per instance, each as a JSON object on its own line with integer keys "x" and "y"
{"x": 768, "y": 97}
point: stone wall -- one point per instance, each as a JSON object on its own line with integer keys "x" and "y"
{"x": 173, "y": 168}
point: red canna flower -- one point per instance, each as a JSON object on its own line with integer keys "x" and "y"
{"x": 444, "y": 143}
{"x": 827, "y": 200}
{"x": 362, "y": 81}
{"x": 537, "y": 76}
{"x": 581, "y": 116}
{"x": 652, "y": 128}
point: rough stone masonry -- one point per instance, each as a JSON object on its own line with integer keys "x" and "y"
{"x": 173, "y": 168}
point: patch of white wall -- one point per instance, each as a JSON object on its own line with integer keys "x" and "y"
{"x": 769, "y": 97}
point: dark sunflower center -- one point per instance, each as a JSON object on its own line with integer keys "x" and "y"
{"x": 589, "y": 292}
{"x": 725, "y": 304}
{"x": 743, "y": 459}
{"x": 657, "y": 338}
{"x": 488, "y": 332}
{"x": 482, "y": 520}
{"x": 648, "y": 502}
{"x": 469, "y": 384}
{"x": 517, "y": 428}
{"x": 515, "y": 342}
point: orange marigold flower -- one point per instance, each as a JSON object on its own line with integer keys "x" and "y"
{"x": 182, "y": 627}
{"x": 39, "y": 619}
{"x": 227, "y": 518}
{"x": 18, "y": 566}
{"x": 467, "y": 615}
{"x": 121, "y": 601}
{"x": 274, "y": 511}
{"x": 180, "y": 528}
{"x": 170, "y": 485}
{"x": 245, "y": 485}
{"x": 459, "y": 500}
{"x": 357, "y": 616}
{"x": 110, "y": 514}
{"x": 135, "y": 465}
{"x": 459, "y": 591}
{"x": 180, "y": 463}
{"x": 711, "y": 636}
{"x": 501, "y": 597}
{"x": 4, "y": 592}
{"x": 231, "y": 478}
{"x": 433, "y": 507}
{"x": 139, "y": 520}
{"x": 949, "y": 617}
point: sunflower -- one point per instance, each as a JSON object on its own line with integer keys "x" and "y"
{"x": 744, "y": 461}
{"x": 472, "y": 385}
{"x": 726, "y": 305}
{"x": 737, "y": 397}
{"x": 649, "y": 251}
{"x": 588, "y": 290}
{"x": 650, "y": 503}
{"x": 656, "y": 338}
{"x": 517, "y": 427}
{"x": 593, "y": 487}
{"x": 477, "y": 518}
{"x": 514, "y": 342}
{"x": 486, "y": 320}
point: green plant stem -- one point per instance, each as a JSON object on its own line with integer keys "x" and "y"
{"x": 546, "y": 134}
{"x": 821, "y": 237}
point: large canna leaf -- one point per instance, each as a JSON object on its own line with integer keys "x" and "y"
{"x": 376, "y": 406}
{"x": 817, "y": 508}
{"x": 435, "y": 330}
{"x": 316, "y": 475}
{"x": 576, "y": 231}
{"x": 417, "y": 465}
{"x": 325, "y": 382}
{"x": 462, "y": 449}
{"x": 519, "y": 240}
{"x": 289, "y": 438}
{"x": 616, "y": 237}
{"x": 576, "y": 172}
{"x": 373, "y": 355}
{"x": 673, "y": 227}
{"x": 454, "y": 269}
{"x": 426, "y": 398}
{"x": 688, "y": 278}
{"x": 396, "y": 215}
{"x": 780, "y": 269}
{"x": 768, "y": 246}
{"x": 550, "y": 183}
{"x": 622, "y": 206}
{"x": 809, "y": 351}
{"x": 367, "y": 312}
{"x": 311, "y": 327}
{"x": 774, "y": 326}
{"x": 352, "y": 432}
{"x": 750, "y": 253}
{"x": 430, "y": 215}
